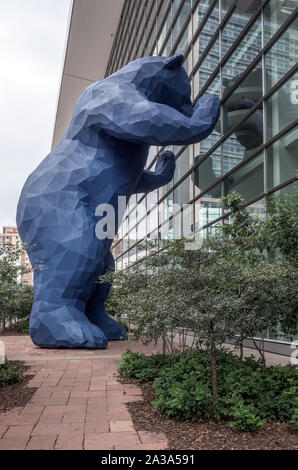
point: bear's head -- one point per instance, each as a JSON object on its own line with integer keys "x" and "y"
{"x": 162, "y": 79}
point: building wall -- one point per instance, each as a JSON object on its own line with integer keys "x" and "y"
{"x": 10, "y": 236}
{"x": 246, "y": 52}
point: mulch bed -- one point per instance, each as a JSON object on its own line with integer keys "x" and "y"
{"x": 209, "y": 435}
{"x": 17, "y": 394}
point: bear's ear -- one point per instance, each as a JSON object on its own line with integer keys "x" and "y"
{"x": 174, "y": 62}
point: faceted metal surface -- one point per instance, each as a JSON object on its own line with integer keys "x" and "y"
{"x": 102, "y": 156}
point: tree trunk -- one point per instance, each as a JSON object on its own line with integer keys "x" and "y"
{"x": 214, "y": 372}
{"x": 164, "y": 345}
{"x": 241, "y": 350}
{"x": 213, "y": 364}
{"x": 3, "y": 321}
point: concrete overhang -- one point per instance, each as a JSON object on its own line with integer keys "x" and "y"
{"x": 92, "y": 29}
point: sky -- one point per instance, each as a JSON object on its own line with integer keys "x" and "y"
{"x": 33, "y": 36}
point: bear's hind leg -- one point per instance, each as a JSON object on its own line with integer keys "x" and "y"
{"x": 95, "y": 308}
{"x": 59, "y": 321}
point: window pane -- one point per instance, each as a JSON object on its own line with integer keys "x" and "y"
{"x": 184, "y": 41}
{"x": 183, "y": 164}
{"x": 209, "y": 29}
{"x": 184, "y": 192}
{"x": 245, "y": 139}
{"x": 164, "y": 31}
{"x": 207, "y": 208}
{"x": 244, "y": 97}
{"x": 245, "y": 53}
{"x": 239, "y": 19}
{"x": 166, "y": 208}
{"x": 207, "y": 172}
{"x": 181, "y": 19}
{"x": 282, "y": 56}
{"x": 208, "y": 66}
{"x": 248, "y": 180}
{"x": 282, "y": 107}
{"x": 199, "y": 13}
{"x": 282, "y": 161}
{"x": 276, "y": 12}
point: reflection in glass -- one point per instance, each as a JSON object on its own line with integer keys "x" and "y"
{"x": 282, "y": 56}
{"x": 207, "y": 208}
{"x": 179, "y": 23}
{"x": 199, "y": 13}
{"x": 246, "y": 138}
{"x": 276, "y": 12}
{"x": 214, "y": 88}
{"x": 238, "y": 20}
{"x": 153, "y": 221}
{"x": 247, "y": 180}
{"x": 282, "y": 107}
{"x": 209, "y": 29}
{"x": 244, "y": 97}
{"x": 208, "y": 171}
{"x": 166, "y": 208}
{"x": 244, "y": 54}
{"x": 233, "y": 153}
{"x": 187, "y": 64}
{"x": 184, "y": 41}
{"x": 164, "y": 32}
{"x": 208, "y": 65}
{"x": 183, "y": 164}
{"x": 184, "y": 192}
{"x": 257, "y": 209}
{"x": 282, "y": 161}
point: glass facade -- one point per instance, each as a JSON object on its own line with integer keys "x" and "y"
{"x": 246, "y": 52}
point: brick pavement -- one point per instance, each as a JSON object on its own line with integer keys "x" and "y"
{"x": 78, "y": 404}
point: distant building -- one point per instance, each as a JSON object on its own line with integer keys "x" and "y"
{"x": 10, "y": 236}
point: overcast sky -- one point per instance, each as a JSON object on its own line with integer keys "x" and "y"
{"x": 32, "y": 42}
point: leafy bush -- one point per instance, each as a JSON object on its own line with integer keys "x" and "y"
{"x": 9, "y": 374}
{"x": 250, "y": 394}
{"x": 142, "y": 368}
{"x": 246, "y": 418}
{"x": 21, "y": 326}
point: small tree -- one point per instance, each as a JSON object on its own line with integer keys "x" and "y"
{"x": 15, "y": 300}
{"x": 225, "y": 290}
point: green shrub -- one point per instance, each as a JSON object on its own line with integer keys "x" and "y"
{"x": 246, "y": 417}
{"x": 9, "y": 374}
{"x": 186, "y": 399}
{"x": 21, "y": 326}
{"x": 293, "y": 422}
{"x": 142, "y": 368}
{"x": 250, "y": 394}
{"x": 124, "y": 324}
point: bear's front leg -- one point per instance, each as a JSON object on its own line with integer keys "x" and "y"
{"x": 163, "y": 174}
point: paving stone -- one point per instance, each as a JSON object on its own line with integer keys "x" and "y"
{"x": 46, "y": 442}
{"x": 107, "y": 441}
{"x": 70, "y": 442}
{"x": 151, "y": 437}
{"x": 121, "y": 426}
{"x": 17, "y": 443}
{"x": 18, "y": 431}
{"x": 69, "y": 428}
{"x": 3, "y": 429}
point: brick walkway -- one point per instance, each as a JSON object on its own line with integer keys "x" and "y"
{"x": 79, "y": 404}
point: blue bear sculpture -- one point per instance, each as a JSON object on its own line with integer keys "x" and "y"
{"x": 101, "y": 156}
